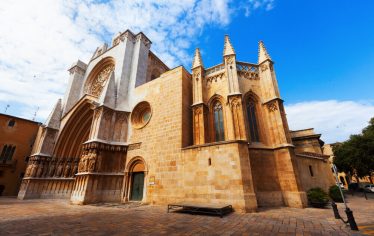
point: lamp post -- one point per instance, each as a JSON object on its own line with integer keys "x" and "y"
{"x": 350, "y": 218}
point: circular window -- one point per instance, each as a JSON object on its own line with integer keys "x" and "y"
{"x": 141, "y": 115}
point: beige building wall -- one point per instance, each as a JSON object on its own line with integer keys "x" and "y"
{"x": 313, "y": 166}
{"x": 20, "y": 134}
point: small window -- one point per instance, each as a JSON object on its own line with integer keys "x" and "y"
{"x": 311, "y": 171}
{"x": 209, "y": 162}
{"x": 11, "y": 123}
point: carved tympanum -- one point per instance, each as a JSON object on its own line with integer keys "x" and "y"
{"x": 98, "y": 83}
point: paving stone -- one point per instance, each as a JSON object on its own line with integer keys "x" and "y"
{"x": 59, "y": 217}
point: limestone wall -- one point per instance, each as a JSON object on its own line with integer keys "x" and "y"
{"x": 160, "y": 140}
{"x": 219, "y": 173}
{"x": 322, "y": 174}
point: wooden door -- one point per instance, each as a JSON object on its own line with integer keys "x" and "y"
{"x": 137, "y": 186}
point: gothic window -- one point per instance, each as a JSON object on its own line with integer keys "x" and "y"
{"x": 252, "y": 121}
{"x": 11, "y": 152}
{"x": 218, "y": 122}
{"x": 7, "y": 153}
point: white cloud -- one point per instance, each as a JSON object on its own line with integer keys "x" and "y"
{"x": 39, "y": 39}
{"x": 335, "y": 120}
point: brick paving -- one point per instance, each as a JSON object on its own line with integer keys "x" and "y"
{"x": 58, "y": 217}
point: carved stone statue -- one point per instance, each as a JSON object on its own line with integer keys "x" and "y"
{"x": 85, "y": 163}
{"x": 52, "y": 167}
{"x": 92, "y": 161}
{"x": 75, "y": 168}
{"x": 40, "y": 170}
{"x": 34, "y": 166}
{"x": 67, "y": 170}
{"x": 59, "y": 169}
{"x": 28, "y": 170}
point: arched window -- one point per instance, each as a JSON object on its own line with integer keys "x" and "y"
{"x": 218, "y": 122}
{"x": 252, "y": 120}
{"x": 11, "y": 152}
{"x": 7, "y": 153}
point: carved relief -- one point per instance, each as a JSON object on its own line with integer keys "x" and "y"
{"x": 196, "y": 76}
{"x": 59, "y": 169}
{"x": 28, "y": 170}
{"x": 98, "y": 83}
{"x": 33, "y": 170}
{"x": 248, "y": 75}
{"x": 230, "y": 60}
{"x": 214, "y": 77}
{"x": 134, "y": 146}
{"x": 40, "y": 170}
{"x": 67, "y": 170}
{"x": 272, "y": 106}
{"x": 52, "y": 168}
{"x": 91, "y": 161}
{"x": 264, "y": 67}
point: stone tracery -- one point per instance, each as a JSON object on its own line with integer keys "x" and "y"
{"x": 96, "y": 86}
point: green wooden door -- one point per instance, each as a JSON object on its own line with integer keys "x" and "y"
{"x": 137, "y": 186}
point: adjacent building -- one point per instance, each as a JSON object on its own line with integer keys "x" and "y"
{"x": 129, "y": 128}
{"x": 344, "y": 178}
{"x": 17, "y": 136}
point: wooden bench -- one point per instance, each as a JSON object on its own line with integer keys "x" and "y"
{"x": 204, "y": 208}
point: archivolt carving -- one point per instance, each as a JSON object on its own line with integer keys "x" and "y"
{"x": 97, "y": 84}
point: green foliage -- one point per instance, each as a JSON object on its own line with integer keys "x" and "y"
{"x": 335, "y": 194}
{"x": 356, "y": 155}
{"x": 317, "y": 195}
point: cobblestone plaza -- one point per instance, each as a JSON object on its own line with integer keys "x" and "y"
{"x": 58, "y": 217}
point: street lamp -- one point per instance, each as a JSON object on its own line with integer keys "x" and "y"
{"x": 350, "y": 218}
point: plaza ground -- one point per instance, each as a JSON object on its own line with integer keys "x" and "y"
{"x": 59, "y": 217}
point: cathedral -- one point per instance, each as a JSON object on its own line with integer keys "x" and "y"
{"x": 129, "y": 128}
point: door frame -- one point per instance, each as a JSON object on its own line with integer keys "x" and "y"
{"x": 136, "y": 164}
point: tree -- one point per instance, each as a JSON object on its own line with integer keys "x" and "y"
{"x": 356, "y": 155}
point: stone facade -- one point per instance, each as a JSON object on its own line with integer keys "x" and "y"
{"x": 131, "y": 129}
{"x": 17, "y": 136}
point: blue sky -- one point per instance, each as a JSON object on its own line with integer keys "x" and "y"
{"x": 323, "y": 50}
